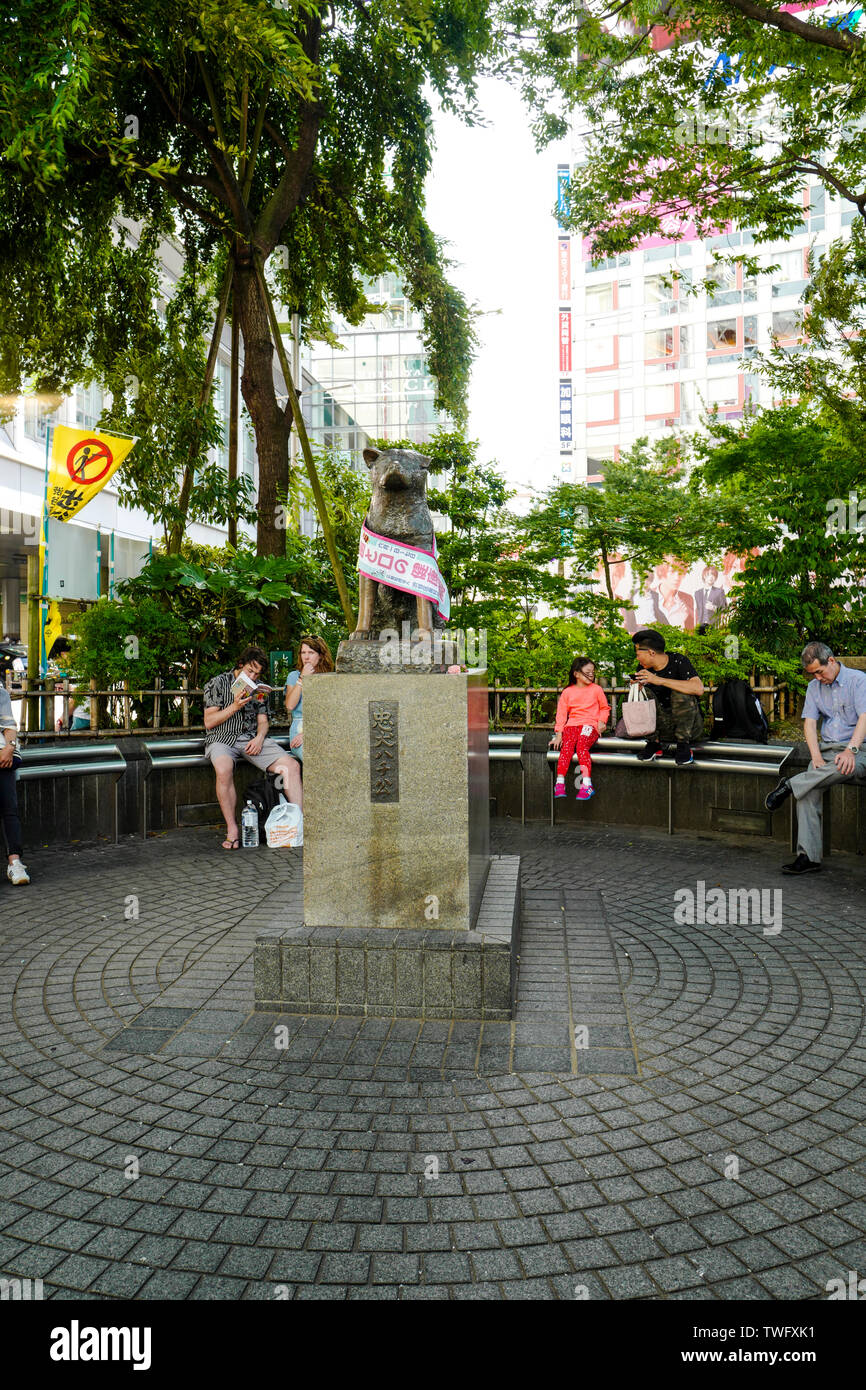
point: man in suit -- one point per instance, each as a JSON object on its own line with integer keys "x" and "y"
{"x": 710, "y": 600}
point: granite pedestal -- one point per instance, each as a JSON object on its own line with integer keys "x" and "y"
{"x": 403, "y": 914}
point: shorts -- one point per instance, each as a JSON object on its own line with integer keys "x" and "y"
{"x": 271, "y": 752}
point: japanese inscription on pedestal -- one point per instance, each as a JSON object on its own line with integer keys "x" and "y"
{"x": 384, "y": 751}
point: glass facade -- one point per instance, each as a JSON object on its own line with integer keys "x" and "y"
{"x": 379, "y": 375}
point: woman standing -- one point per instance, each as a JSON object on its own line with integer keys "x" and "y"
{"x": 313, "y": 655}
{"x": 10, "y": 761}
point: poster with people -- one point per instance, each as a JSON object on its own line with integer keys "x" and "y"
{"x": 692, "y": 597}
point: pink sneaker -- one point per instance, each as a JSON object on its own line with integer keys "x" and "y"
{"x": 585, "y": 793}
{"x": 559, "y": 789}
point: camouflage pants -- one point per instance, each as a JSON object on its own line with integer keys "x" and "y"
{"x": 683, "y": 720}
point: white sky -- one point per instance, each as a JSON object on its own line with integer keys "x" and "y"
{"x": 490, "y": 195}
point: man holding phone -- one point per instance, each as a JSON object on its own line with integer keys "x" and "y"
{"x": 671, "y": 680}
{"x": 237, "y": 727}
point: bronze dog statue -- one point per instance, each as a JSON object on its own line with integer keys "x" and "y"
{"x": 398, "y": 510}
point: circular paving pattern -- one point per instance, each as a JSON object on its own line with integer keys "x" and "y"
{"x": 228, "y": 1159}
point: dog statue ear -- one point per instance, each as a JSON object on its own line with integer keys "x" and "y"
{"x": 370, "y": 456}
{"x": 424, "y": 462}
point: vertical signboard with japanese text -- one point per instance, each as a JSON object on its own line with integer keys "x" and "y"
{"x": 565, "y": 340}
{"x": 565, "y": 432}
{"x": 564, "y": 270}
{"x": 562, "y": 173}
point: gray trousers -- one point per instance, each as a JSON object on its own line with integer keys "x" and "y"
{"x": 809, "y": 787}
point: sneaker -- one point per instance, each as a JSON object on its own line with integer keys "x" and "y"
{"x": 684, "y": 755}
{"x": 778, "y": 795}
{"x": 801, "y": 865}
{"x": 649, "y": 751}
{"x": 559, "y": 789}
{"x": 16, "y": 872}
{"x": 585, "y": 793}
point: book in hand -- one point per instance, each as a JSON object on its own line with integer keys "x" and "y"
{"x": 242, "y": 685}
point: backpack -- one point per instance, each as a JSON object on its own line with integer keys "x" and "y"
{"x": 738, "y": 714}
{"x": 264, "y": 795}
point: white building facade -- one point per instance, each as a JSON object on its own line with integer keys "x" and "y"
{"x": 641, "y": 354}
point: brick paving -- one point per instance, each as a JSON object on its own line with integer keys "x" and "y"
{"x": 677, "y": 1111}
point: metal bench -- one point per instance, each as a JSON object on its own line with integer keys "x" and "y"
{"x": 764, "y": 759}
{"x": 74, "y": 760}
{"x": 163, "y": 754}
{"x": 506, "y": 748}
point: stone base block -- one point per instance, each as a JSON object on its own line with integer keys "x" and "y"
{"x": 408, "y": 973}
{"x": 374, "y": 657}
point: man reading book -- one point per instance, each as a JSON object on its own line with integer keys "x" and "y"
{"x": 236, "y": 725}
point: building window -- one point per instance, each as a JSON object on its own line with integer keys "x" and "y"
{"x": 600, "y": 299}
{"x": 661, "y": 400}
{"x": 37, "y": 418}
{"x": 601, "y": 352}
{"x": 723, "y": 279}
{"x": 752, "y": 389}
{"x": 658, "y": 290}
{"x": 722, "y": 335}
{"x": 659, "y": 344}
{"x": 601, "y": 408}
{"x": 790, "y": 278}
{"x": 608, "y": 263}
{"x": 248, "y": 442}
{"x": 597, "y": 461}
{"x": 724, "y": 391}
{"x": 88, "y": 406}
{"x": 787, "y": 325}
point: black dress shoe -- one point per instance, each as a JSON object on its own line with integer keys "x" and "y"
{"x": 778, "y": 795}
{"x": 801, "y": 865}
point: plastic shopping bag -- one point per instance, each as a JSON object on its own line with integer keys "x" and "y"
{"x": 284, "y": 827}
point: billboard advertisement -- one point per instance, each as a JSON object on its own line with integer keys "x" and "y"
{"x": 674, "y": 594}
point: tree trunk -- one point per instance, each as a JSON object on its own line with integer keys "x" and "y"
{"x": 269, "y": 420}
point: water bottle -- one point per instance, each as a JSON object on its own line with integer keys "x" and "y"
{"x": 249, "y": 827}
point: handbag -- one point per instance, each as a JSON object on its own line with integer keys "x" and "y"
{"x": 639, "y": 713}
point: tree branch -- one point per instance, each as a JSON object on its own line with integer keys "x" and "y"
{"x": 811, "y": 166}
{"x": 230, "y": 195}
{"x": 821, "y": 35}
{"x": 288, "y": 192}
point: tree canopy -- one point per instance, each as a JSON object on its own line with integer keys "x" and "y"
{"x": 706, "y": 115}
{"x": 241, "y": 129}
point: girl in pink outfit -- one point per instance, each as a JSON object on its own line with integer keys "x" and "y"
{"x": 581, "y": 718}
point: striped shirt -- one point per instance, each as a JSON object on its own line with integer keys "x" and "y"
{"x": 242, "y": 724}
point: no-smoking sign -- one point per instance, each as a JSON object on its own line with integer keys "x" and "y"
{"x": 89, "y": 461}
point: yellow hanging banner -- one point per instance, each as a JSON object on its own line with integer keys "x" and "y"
{"x": 82, "y": 461}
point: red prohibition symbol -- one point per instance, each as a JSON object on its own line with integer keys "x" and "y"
{"x": 88, "y": 461}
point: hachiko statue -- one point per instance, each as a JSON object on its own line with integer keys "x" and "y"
{"x": 400, "y": 589}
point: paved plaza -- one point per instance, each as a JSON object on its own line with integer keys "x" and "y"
{"x": 675, "y": 1113}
